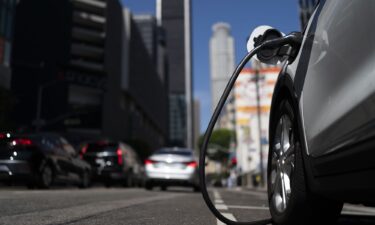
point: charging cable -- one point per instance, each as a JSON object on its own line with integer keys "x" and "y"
{"x": 292, "y": 42}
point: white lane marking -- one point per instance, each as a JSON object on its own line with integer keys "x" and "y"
{"x": 216, "y": 195}
{"x": 219, "y": 204}
{"x": 221, "y": 207}
{"x": 248, "y": 207}
{"x": 227, "y": 215}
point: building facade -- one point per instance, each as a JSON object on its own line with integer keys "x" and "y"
{"x": 7, "y": 12}
{"x": 81, "y": 68}
{"x": 252, "y": 140}
{"x": 222, "y": 66}
{"x": 174, "y": 17}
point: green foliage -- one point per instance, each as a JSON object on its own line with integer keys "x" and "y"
{"x": 220, "y": 140}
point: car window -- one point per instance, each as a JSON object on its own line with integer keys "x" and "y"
{"x": 68, "y": 148}
{"x": 101, "y": 147}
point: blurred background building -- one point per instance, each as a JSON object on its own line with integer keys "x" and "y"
{"x": 222, "y": 66}
{"x": 174, "y": 17}
{"x": 7, "y": 11}
{"x": 92, "y": 70}
{"x": 251, "y": 138}
{"x": 306, "y": 8}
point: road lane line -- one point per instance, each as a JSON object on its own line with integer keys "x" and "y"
{"x": 221, "y": 207}
{"x": 216, "y": 195}
{"x": 247, "y": 207}
{"x": 219, "y": 204}
{"x": 227, "y": 215}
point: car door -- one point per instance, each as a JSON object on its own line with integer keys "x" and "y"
{"x": 65, "y": 159}
{"x": 337, "y": 99}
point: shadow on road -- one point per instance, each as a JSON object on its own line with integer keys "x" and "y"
{"x": 356, "y": 220}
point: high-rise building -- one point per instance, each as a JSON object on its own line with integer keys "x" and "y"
{"x": 7, "y": 11}
{"x": 81, "y": 68}
{"x": 306, "y": 9}
{"x": 222, "y": 66}
{"x": 174, "y": 17}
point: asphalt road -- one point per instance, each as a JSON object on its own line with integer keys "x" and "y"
{"x": 136, "y": 206}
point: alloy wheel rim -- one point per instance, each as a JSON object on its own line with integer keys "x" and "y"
{"x": 47, "y": 176}
{"x": 282, "y": 164}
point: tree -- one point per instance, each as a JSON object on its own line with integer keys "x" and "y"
{"x": 220, "y": 141}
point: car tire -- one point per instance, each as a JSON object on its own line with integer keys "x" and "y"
{"x": 46, "y": 176}
{"x": 128, "y": 181}
{"x": 196, "y": 188}
{"x": 149, "y": 186}
{"x": 163, "y": 187}
{"x": 85, "y": 180}
{"x": 290, "y": 201}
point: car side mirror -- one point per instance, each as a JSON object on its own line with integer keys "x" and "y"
{"x": 260, "y": 35}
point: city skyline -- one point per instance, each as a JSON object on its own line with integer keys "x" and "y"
{"x": 242, "y": 17}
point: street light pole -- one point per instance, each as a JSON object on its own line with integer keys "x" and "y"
{"x": 257, "y": 79}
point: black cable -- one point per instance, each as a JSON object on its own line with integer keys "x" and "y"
{"x": 291, "y": 39}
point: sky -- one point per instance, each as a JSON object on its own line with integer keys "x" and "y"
{"x": 242, "y": 15}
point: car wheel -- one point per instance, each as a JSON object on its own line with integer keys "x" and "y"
{"x": 163, "y": 187}
{"x": 85, "y": 180}
{"x": 290, "y": 201}
{"x": 128, "y": 181}
{"x": 46, "y": 177}
{"x": 196, "y": 188}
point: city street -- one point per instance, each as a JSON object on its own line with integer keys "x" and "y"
{"x": 99, "y": 205}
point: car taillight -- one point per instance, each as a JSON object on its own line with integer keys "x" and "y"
{"x": 22, "y": 141}
{"x": 120, "y": 161}
{"x": 83, "y": 151}
{"x": 192, "y": 164}
{"x": 149, "y": 162}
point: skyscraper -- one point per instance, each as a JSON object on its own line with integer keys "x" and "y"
{"x": 174, "y": 16}
{"x": 222, "y": 66}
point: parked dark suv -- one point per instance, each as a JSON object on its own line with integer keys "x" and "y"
{"x": 39, "y": 160}
{"x": 113, "y": 162}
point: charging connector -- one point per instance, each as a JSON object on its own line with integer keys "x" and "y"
{"x": 293, "y": 41}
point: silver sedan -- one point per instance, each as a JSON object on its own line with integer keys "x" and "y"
{"x": 172, "y": 167}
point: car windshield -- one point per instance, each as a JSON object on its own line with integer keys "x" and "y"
{"x": 109, "y": 147}
{"x": 174, "y": 152}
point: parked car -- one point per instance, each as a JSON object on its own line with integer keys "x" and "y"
{"x": 171, "y": 167}
{"x": 113, "y": 162}
{"x": 322, "y": 134}
{"x": 40, "y": 160}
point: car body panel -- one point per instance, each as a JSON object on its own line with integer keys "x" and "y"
{"x": 331, "y": 84}
{"x": 339, "y": 95}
